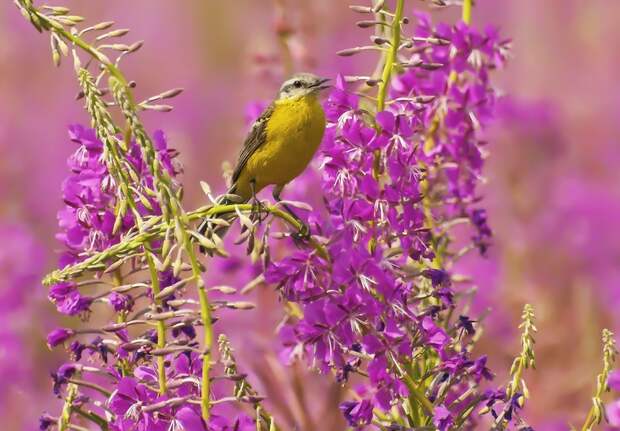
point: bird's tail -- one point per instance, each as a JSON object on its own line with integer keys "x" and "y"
{"x": 210, "y": 227}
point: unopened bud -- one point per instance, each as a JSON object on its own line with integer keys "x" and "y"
{"x": 361, "y": 9}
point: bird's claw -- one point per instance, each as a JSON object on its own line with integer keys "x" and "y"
{"x": 258, "y": 209}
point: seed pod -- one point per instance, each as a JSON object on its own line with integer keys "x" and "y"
{"x": 116, "y": 47}
{"x": 253, "y": 284}
{"x": 226, "y": 290}
{"x": 74, "y": 18}
{"x": 369, "y": 23}
{"x": 379, "y": 40}
{"x": 432, "y": 40}
{"x": 352, "y": 51}
{"x": 158, "y": 108}
{"x": 347, "y": 52}
{"x": 136, "y": 46}
{"x": 240, "y": 305}
{"x": 98, "y": 27}
{"x": 431, "y": 66}
{"x": 361, "y": 9}
{"x": 56, "y": 10}
{"x": 56, "y": 57}
{"x": 128, "y": 287}
{"x": 203, "y": 240}
{"x": 373, "y": 82}
{"x": 114, "y": 33}
{"x": 168, "y": 94}
{"x": 170, "y": 290}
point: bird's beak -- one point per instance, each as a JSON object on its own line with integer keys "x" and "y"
{"x": 322, "y": 84}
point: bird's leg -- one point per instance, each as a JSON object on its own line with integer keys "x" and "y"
{"x": 257, "y": 206}
{"x": 304, "y": 231}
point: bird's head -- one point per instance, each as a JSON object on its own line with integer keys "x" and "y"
{"x": 302, "y": 84}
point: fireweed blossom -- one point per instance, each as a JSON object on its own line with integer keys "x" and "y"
{"x": 88, "y": 218}
{"x": 382, "y": 304}
{"x": 371, "y": 297}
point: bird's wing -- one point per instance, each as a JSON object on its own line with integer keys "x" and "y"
{"x": 254, "y": 140}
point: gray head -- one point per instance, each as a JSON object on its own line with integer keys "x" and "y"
{"x": 302, "y": 84}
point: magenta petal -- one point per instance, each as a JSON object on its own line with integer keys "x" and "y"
{"x": 387, "y": 121}
{"x": 190, "y": 419}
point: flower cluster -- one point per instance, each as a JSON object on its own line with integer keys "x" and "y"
{"x": 90, "y": 194}
{"x": 382, "y": 304}
{"x": 373, "y": 295}
{"x": 87, "y": 222}
{"x": 123, "y": 368}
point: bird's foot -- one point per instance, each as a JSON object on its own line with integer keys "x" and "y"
{"x": 259, "y": 210}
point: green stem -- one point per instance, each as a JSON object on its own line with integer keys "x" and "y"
{"x": 597, "y": 411}
{"x": 391, "y": 56}
{"x": 205, "y": 313}
{"x": 467, "y": 6}
{"x": 155, "y": 227}
{"x": 419, "y": 395}
{"x": 67, "y": 409}
{"x": 587, "y": 426}
{"x": 93, "y": 417}
{"x": 57, "y": 28}
{"x": 161, "y": 325}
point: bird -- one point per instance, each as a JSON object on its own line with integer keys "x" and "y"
{"x": 280, "y": 145}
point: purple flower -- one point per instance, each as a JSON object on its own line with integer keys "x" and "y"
{"x": 370, "y": 298}
{"x": 466, "y": 324}
{"x": 120, "y": 302}
{"x": 190, "y": 419}
{"x": 241, "y": 423}
{"x": 126, "y": 403}
{"x": 442, "y": 418}
{"x": 60, "y": 377}
{"x": 437, "y": 276}
{"x": 46, "y": 422}
{"x": 59, "y": 336}
{"x": 614, "y": 380}
{"x": 89, "y": 194}
{"x": 76, "y": 348}
{"x": 74, "y": 303}
{"x": 612, "y": 411}
{"x": 435, "y": 336}
{"x": 60, "y": 291}
{"x": 357, "y": 413}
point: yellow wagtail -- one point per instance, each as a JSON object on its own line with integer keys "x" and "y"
{"x": 280, "y": 144}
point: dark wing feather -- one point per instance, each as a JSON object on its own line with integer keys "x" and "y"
{"x": 254, "y": 140}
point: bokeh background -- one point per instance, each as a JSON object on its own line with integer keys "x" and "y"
{"x": 553, "y": 187}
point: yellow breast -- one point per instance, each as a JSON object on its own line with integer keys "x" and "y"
{"x": 293, "y": 134}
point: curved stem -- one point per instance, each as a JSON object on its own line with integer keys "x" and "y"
{"x": 391, "y": 56}
{"x": 154, "y": 227}
{"x": 92, "y": 417}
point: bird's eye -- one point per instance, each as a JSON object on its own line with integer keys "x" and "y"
{"x": 297, "y": 84}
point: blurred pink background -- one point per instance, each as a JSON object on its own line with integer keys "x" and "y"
{"x": 553, "y": 188}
